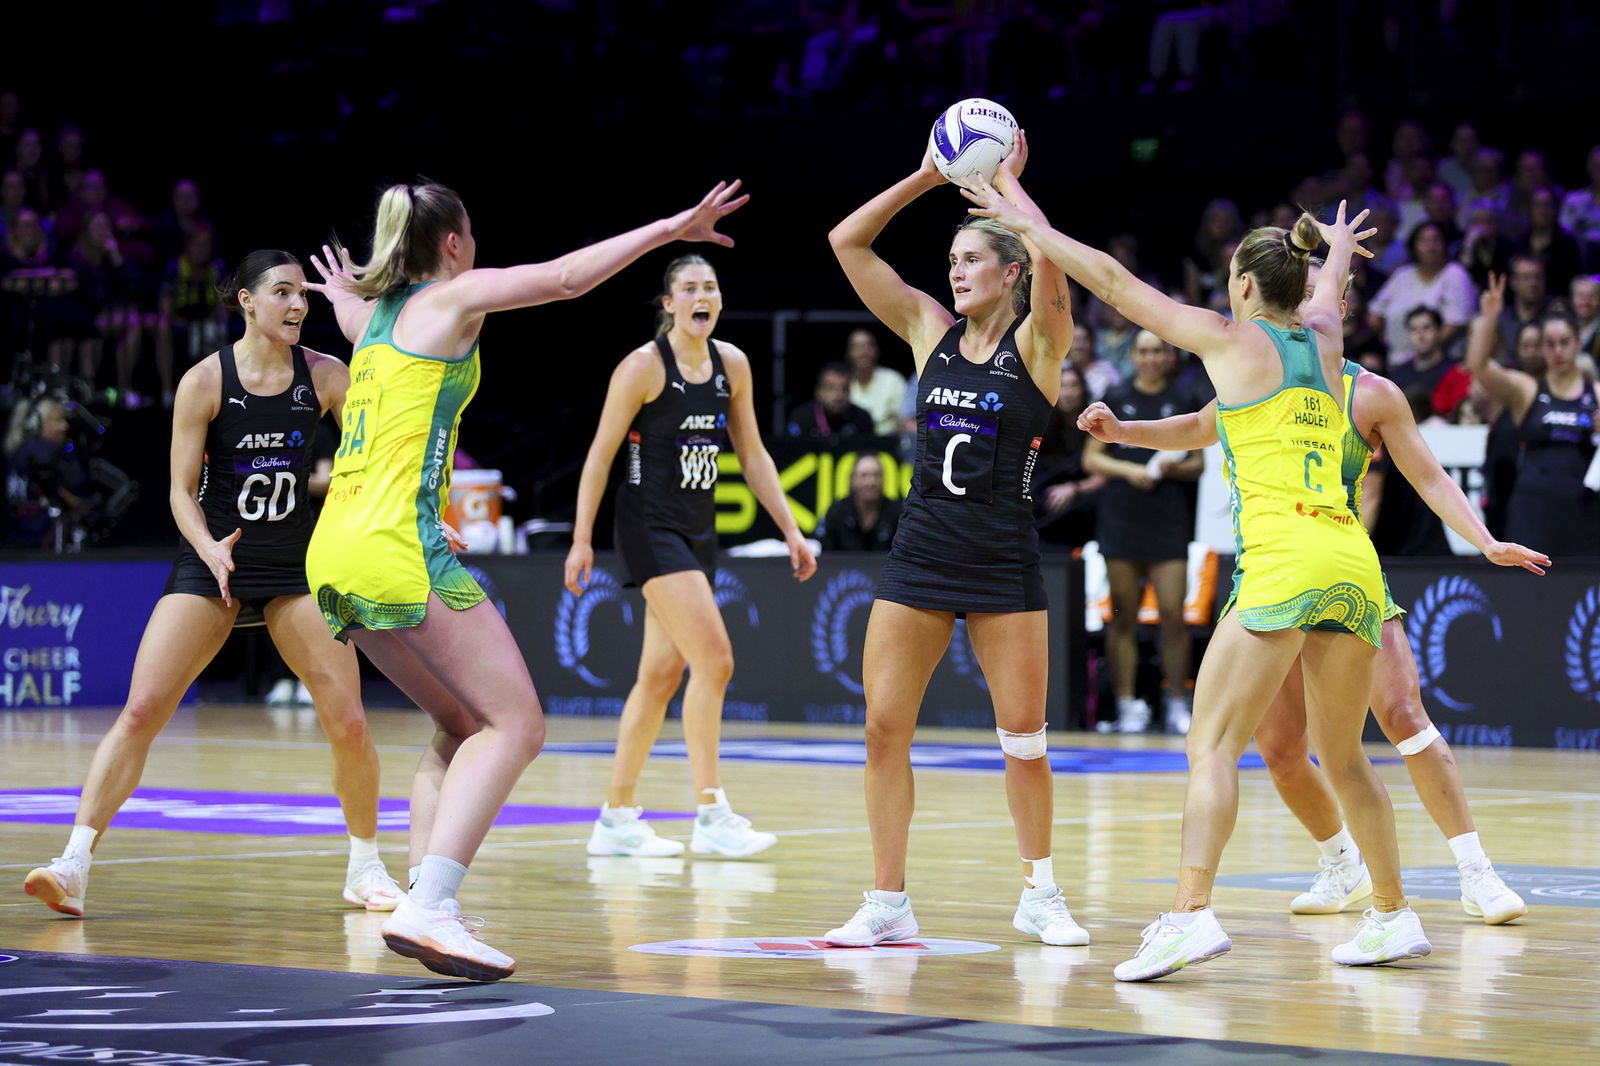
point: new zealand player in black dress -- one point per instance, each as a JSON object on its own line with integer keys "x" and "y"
{"x": 676, "y": 399}
{"x": 986, "y": 382}
{"x": 242, "y": 430}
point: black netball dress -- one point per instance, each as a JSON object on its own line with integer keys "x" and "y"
{"x": 258, "y": 457}
{"x": 1550, "y": 509}
{"x": 665, "y": 516}
{"x": 1145, "y": 525}
{"x": 966, "y": 540}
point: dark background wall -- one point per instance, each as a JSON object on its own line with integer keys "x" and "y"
{"x": 561, "y": 123}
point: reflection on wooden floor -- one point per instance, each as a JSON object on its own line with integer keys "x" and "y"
{"x": 1523, "y": 993}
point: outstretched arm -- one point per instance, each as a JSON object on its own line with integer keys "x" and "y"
{"x": 338, "y": 272}
{"x": 1049, "y": 321}
{"x": 1513, "y": 388}
{"x": 913, "y": 315}
{"x": 1193, "y": 329}
{"x": 1413, "y": 458}
{"x": 478, "y": 292}
{"x": 1180, "y": 433}
{"x": 760, "y": 472}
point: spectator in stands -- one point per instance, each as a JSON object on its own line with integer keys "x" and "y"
{"x": 29, "y": 161}
{"x": 1530, "y": 175}
{"x": 1580, "y": 212}
{"x": 1352, "y": 134}
{"x": 1411, "y": 142}
{"x": 68, "y": 168}
{"x": 1098, "y": 376}
{"x": 1439, "y": 207}
{"x": 1455, "y": 169}
{"x": 1556, "y": 248}
{"x": 1530, "y": 299}
{"x": 1113, "y": 339}
{"x": 1144, "y": 525}
{"x": 1388, "y": 251}
{"x": 191, "y": 315}
{"x": 1584, "y": 304}
{"x": 1483, "y": 250}
{"x": 106, "y": 283}
{"x": 875, "y": 389}
{"x": 1354, "y": 180}
{"x": 1488, "y": 182}
{"x": 1064, "y": 493}
{"x": 45, "y": 474}
{"x": 1205, "y": 268}
{"x": 36, "y": 289}
{"x": 1413, "y": 208}
{"x": 1424, "y": 364}
{"x": 178, "y": 219}
{"x": 864, "y": 520}
{"x": 829, "y": 415}
{"x": 1428, "y": 280}
{"x": 13, "y": 199}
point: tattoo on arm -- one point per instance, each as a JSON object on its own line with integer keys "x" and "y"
{"x": 1060, "y": 300}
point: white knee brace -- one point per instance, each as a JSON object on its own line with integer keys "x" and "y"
{"x": 1418, "y": 743}
{"x": 1022, "y": 745}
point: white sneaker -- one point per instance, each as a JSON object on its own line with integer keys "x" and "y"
{"x": 875, "y": 922}
{"x": 1178, "y": 716}
{"x": 282, "y": 694}
{"x": 60, "y": 886}
{"x": 442, "y": 941}
{"x": 372, "y": 887}
{"x": 1337, "y": 885}
{"x": 302, "y": 695}
{"x": 1168, "y": 947}
{"x": 729, "y": 835}
{"x": 1484, "y": 895}
{"x": 1046, "y": 917}
{"x": 631, "y": 835}
{"x": 1133, "y": 716}
{"x": 1379, "y": 940}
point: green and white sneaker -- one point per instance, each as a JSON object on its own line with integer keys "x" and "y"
{"x": 1384, "y": 938}
{"x": 1172, "y": 942}
{"x": 1043, "y": 913}
{"x": 1337, "y": 885}
{"x": 875, "y": 922}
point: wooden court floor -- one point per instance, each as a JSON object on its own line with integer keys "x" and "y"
{"x": 1524, "y": 993}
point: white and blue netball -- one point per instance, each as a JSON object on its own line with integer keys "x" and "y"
{"x": 972, "y": 137}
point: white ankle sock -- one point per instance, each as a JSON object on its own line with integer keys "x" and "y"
{"x": 1467, "y": 849}
{"x": 718, "y": 804}
{"x": 439, "y": 880}
{"x": 1184, "y": 919}
{"x": 611, "y": 816}
{"x": 80, "y": 843}
{"x": 893, "y": 899}
{"x": 1043, "y": 874}
{"x": 362, "y": 852}
{"x": 412, "y": 876}
{"x": 1341, "y": 846}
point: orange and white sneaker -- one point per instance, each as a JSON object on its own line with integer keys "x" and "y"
{"x": 442, "y": 941}
{"x": 60, "y": 886}
{"x": 372, "y": 887}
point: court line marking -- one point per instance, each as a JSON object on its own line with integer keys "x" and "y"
{"x": 1167, "y": 816}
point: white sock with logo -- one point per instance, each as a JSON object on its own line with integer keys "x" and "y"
{"x": 893, "y": 899}
{"x": 1341, "y": 846}
{"x": 1467, "y": 849}
{"x": 1184, "y": 919}
{"x": 412, "y": 875}
{"x": 80, "y": 845}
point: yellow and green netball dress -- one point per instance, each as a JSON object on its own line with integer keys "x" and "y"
{"x": 1357, "y": 457}
{"x": 378, "y": 550}
{"x": 1303, "y": 560}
